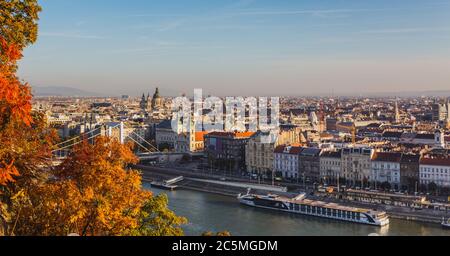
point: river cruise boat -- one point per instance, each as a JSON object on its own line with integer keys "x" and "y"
{"x": 301, "y": 205}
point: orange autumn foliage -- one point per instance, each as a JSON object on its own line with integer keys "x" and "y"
{"x": 15, "y": 97}
{"x": 91, "y": 193}
{"x": 8, "y": 172}
{"x": 15, "y": 105}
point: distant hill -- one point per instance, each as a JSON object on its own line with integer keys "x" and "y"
{"x": 70, "y": 91}
{"x": 405, "y": 94}
{"x": 62, "y": 91}
{"x": 437, "y": 93}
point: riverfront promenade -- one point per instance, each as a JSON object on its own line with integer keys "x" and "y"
{"x": 213, "y": 183}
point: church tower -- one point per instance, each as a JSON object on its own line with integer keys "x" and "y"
{"x": 156, "y": 100}
{"x": 448, "y": 113}
{"x": 145, "y": 103}
{"x": 439, "y": 138}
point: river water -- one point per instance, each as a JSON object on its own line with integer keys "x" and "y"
{"x": 210, "y": 212}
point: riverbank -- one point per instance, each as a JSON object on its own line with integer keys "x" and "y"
{"x": 202, "y": 183}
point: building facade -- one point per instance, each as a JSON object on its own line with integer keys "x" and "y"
{"x": 226, "y": 150}
{"x": 285, "y": 162}
{"x": 259, "y": 155}
{"x": 309, "y": 164}
{"x": 435, "y": 170}
{"x": 439, "y": 112}
{"x": 385, "y": 168}
{"x": 409, "y": 172}
{"x": 165, "y": 137}
{"x": 330, "y": 166}
{"x": 356, "y": 167}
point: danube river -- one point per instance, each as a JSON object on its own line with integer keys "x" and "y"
{"x": 210, "y": 212}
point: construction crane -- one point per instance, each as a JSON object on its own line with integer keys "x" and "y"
{"x": 353, "y": 134}
{"x": 351, "y": 129}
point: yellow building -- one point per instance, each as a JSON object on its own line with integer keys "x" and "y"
{"x": 259, "y": 155}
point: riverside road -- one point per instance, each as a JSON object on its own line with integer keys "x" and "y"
{"x": 198, "y": 180}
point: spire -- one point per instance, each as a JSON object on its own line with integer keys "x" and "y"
{"x": 397, "y": 112}
{"x": 448, "y": 110}
{"x": 156, "y": 95}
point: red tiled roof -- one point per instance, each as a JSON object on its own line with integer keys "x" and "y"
{"x": 326, "y": 135}
{"x": 295, "y": 150}
{"x": 232, "y": 134}
{"x": 279, "y": 149}
{"x": 243, "y": 134}
{"x": 222, "y": 134}
{"x": 435, "y": 161}
{"x": 386, "y": 157}
{"x": 199, "y": 136}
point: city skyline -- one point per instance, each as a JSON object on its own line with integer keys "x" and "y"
{"x": 175, "y": 118}
{"x": 242, "y": 47}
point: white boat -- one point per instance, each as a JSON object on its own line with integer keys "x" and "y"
{"x": 445, "y": 223}
{"x": 167, "y": 184}
{"x": 301, "y": 205}
{"x": 163, "y": 185}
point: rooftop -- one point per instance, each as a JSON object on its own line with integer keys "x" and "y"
{"x": 441, "y": 161}
{"x": 238, "y": 135}
{"x": 387, "y": 157}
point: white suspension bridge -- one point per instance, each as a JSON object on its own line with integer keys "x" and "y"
{"x": 118, "y": 130}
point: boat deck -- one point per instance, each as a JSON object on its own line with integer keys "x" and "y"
{"x": 321, "y": 204}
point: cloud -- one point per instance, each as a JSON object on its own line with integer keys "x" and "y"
{"x": 407, "y": 30}
{"x": 186, "y": 20}
{"x": 144, "y": 15}
{"x": 320, "y": 13}
{"x": 170, "y": 25}
{"x": 69, "y": 35}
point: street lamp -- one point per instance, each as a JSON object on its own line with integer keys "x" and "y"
{"x": 273, "y": 178}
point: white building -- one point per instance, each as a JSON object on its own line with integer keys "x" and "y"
{"x": 385, "y": 167}
{"x": 330, "y": 166}
{"x": 191, "y": 142}
{"x": 286, "y": 161}
{"x": 355, "y": 166}
{"x": 436, "y": 170}
{"x": 165, "y": 137}
{"x": 58, "y": 119}
{"x": 431, "y": 139}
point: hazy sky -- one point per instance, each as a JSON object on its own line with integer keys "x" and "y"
{"x": 242, "y": 47}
